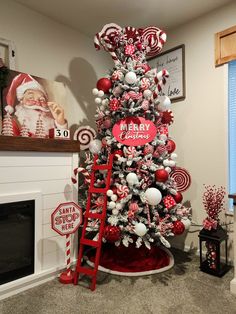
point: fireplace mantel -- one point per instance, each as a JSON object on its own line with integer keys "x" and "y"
{"x": 13, "y": 143}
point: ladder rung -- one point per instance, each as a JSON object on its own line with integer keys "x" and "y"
{"x": 89, "y": 242}
{"x": 87, "y": 271}
{"x": 94, "y": 215}
{"x": 101, "y": 167}
{"x": 97, "y": 190}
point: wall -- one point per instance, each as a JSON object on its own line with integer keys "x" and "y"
{"x": 200, "y": 127}
{"x": 56, "y": 52}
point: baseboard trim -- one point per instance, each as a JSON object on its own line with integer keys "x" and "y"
{"x": 233, "y": 286}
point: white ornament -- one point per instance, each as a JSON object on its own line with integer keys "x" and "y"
{"x": 109, "y": 193}
{"x": 119, "y": 206}
{"x": 130, "y": 78}
{"x": 114, "y": 197}
{"x": 169, "y": 163}
{"x": 115, "y": 211}
{"x": 174, "y": 156}
{"x": 163, "y": 137}
{"x": 100, "y": 93}
{"x": 97, "y": 100}
{"x": 147, "y": 93}
{"x": 165, "y": 103}
{"x": 132, "y": 178}
{"x": 140, "y": 229}
{"x": 111, "y": 205}
{"x": 168, "y": 169}
{"x": 153, "y": 196}
{"x": 186, "y": 222}
{"x": 95, "y": 146}
{"x": 105, "y": 102}
{"x": 95, "y": 91}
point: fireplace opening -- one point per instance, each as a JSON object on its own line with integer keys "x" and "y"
{"x": 17, "y": 229}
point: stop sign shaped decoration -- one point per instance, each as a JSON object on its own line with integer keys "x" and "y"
{"x": 66, "y": 218}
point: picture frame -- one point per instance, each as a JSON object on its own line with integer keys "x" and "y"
{"x": 173, "y": 60}
{"x": 36, "y": 106}
{"x": 8, "y": 53}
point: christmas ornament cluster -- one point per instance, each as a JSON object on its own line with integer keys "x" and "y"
{"x": 144, "y": 202}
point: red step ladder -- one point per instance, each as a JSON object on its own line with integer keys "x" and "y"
{"x": 92, "y": 272}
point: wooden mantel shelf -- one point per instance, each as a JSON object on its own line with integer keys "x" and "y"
{"x": 13, "y": 143}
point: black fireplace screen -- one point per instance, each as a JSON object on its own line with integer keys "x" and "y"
{"x": 16, "y": 240}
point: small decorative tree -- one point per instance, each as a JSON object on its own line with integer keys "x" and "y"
{"x": 213, "y": 201}
{"x": 24, "y": 132}
{"x": 7, "y": 127}
{"x": 40, "y": 131}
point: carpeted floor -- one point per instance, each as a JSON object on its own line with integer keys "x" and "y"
{"x": 183, "y": 289}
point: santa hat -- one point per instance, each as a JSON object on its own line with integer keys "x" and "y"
{"x": 19, "y": 85}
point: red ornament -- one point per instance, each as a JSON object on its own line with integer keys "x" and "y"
{"x": 178, "y": 197}
{"x": 178, "y": 227}
{"x": 104, "y": 84}
{"x": 111, "y": 233}
{"x": 129, "y": 50}
{"x": 161, "y": 175}
{"x": 170, "y": 146}
{"x": 167, "y": 117}
{"x": 169, "y": 201}
{"x": 114, "y": 104}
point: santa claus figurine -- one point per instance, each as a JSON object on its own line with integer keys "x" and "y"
{"x": 32, "y": 105}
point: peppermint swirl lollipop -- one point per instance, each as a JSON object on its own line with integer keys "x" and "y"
{"x": 182, "y": 178}
{"x": 122, "y": 191}
{"x": 155, "y": 39}
{"x": 84, "y": 134}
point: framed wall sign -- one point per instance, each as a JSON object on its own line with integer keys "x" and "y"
{"x": 173, "y": 60}
{"x": 7, "y": 53}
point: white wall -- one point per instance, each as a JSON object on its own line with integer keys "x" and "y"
{"x": 200, "y": 127}
{"x": 56, "y": 52}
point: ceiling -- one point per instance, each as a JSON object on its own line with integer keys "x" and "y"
{"x": 89, "y": 16}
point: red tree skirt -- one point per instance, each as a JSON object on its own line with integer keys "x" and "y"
{"x": 132, "y": 261}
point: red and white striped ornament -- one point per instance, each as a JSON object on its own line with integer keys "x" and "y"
{"x": 117, "y": 75}
{"x": 145, "y": 83}
{"x": 122, "y": 191}
{"x": 86, "y": 174}
{"x": 182, "y": 178}
{"x": 160, "y": 81}
{"x": 154, "y": 38}
{"x": 84, "y": 134}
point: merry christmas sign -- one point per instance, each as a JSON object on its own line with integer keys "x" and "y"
{"x": 134, "y": 131}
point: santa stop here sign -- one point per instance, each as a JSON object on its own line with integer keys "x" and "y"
{"x": 66, "y": 218}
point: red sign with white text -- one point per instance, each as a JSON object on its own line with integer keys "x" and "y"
{"x": 134, "y": 131}
{"x": 66, "y": 218}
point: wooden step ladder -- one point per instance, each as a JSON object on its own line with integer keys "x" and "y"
{"x": 92, "y": 272}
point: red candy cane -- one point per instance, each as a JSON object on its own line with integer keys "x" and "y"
{"x": 86, "y": 174}
{"x": 68, "y": 264}
{"x": 160, "y": 81}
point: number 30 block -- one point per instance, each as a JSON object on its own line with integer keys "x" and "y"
{"x": 62, "y": 134}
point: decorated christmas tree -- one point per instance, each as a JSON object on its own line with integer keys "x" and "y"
{"x": 7, "y": 126}
{"x": 144, "y": 200}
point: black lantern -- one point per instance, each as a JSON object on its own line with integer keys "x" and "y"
{"x": 213, "y": 251}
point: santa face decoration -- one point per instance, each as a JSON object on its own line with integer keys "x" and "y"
{"x": 35, "y": 99}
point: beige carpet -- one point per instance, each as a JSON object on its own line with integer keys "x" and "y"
{"x": 183, "y": 289}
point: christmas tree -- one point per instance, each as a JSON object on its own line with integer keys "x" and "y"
{"x": 24, "y": 131}
{"x": 40, "y": 131}
{"x": 144, "y": 203}
{"x": 7, "y": 126}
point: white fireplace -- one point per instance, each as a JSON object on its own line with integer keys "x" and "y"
{"x": 46, "y": 179}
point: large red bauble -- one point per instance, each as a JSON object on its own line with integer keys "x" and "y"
{"x": 170, "y": 146}
{"x": 111, "y": 233}
{"x": 104, "y": 84}
{"x": 178, "y": 227}
{"x": 178, "y": 197}
{"x": 161, "y": 175}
